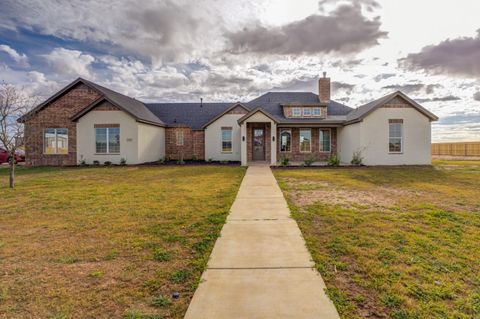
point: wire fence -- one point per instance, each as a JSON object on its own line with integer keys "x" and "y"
{"x": 456, "y": 149}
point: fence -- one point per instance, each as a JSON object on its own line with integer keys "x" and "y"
{"x": 456, "y": 149}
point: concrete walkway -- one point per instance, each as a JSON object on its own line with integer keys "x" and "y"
{"x": 260, "y": 267}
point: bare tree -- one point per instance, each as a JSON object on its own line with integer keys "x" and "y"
{"x": 14, "y": 103}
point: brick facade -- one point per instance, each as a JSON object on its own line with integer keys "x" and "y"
{"x": 57, "y": 115}
{"x": 193, "y": 144}
{"x": 297, "y": 156}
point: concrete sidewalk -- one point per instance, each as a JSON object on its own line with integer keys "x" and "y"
{"x": 260, "y": 267}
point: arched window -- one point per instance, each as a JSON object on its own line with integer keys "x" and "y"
{"x": 285, "y": 141}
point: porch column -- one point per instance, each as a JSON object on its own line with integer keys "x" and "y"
{"x": 243, "y": 143}
{"x": 273, "y": 143}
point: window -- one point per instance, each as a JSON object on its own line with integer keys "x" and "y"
{"x": 55, "y": 141}
{"x": 307, "y": 111}
{"x": 226, "y": 139}
{"x": 305, "y": 140}
{"x": 317, "y": 111}
{"x": 179, "y": 138}
{"x": 395, "y": 133}
{"x": 325, "y": 140}
{"x": 285, "y": 140}
{"x": 296, "y": 112}
{"x": 107, "y": 138}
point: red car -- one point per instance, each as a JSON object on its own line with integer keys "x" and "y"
{"x": 19, "y": 156}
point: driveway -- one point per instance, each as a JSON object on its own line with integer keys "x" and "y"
{"x": 260, "y": 267}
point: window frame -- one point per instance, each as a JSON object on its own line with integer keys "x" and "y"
{"x": 226, "y": 128}
{"x": 320, "y": 141}
{"x": 395, "y": 122}
{"x": 107, "y": 128}
{"x": 298, "y": 109}
{"x": 319, "y": 111}
{"x": 309, "y": 109}
{"x": 289, "y": 131}
{"x": 178, "y": 134}
{"x": 56, "y": 140}
{"x": 300, "y": 140}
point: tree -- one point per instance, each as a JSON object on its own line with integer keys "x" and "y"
{"x": 14, "y": 103}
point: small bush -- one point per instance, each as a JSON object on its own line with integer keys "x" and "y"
{"x": 107, "y": 163}
{"x": 161, "y": 160}
{"x": 284, "y": 161}
{"x": 309, "y": 160}
{"x": 210, "y": 160}
{"x": 123, "y": 161}
{"x": 357, "y": 158}
{"x": 180, "y": 162}
{"x": 96, "y": 163}
{"x": 83, "y": 162}
{"x": 333, "y": 160}
{"x": 194, "y": 157}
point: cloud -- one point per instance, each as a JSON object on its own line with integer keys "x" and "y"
{"x": 346, "y": 30}
{"x": 383, "y": 76}
{"x": 21, "y": 59}
{"x": 439, "y": 99}
{"x": 405, "y": 88}
{"x": 476, "y": 96}
{"x": 460, "y": 56}
{"x": 341, "y": 86}
{"x": 70, "y": 62}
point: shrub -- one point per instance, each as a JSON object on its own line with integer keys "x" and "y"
{"x": 83, "y": 162}
{"x": 309, "y": 160}
{"x": 107, "y": 163}
{"x": 194, "y": 157}
{"x": 123, "y": 161}
{"x": 210, "y": 160}
{"x": 96, "y": 163}
{"x": 357, "y": 158}
{"x": 180, "y": 162}
{"x": 334, "y": 160}
{"x": 285, "y": 160}
{"x": 161, "y": 160}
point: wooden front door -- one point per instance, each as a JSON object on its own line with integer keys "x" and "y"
{"x": 258, "y": 143}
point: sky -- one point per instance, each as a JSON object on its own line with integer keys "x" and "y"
{"x": 180, "y": 50}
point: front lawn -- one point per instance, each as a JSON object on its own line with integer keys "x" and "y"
{"x": 109, "y": 242}
{"x": 396, "y": 243}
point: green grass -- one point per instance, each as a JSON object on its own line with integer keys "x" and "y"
{"x": 110, "y": 242}
{"x": 399, "y": 242}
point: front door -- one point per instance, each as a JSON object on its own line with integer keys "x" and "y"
{"x": 258, "y": 144}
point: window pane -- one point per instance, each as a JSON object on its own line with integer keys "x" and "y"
{"x": 62, "y": 141}
{"x": 325, "y": 140}
{"x": 49, "y": 141}
{"x": 285, "y": 141}
{"x": 307, "y": 111}
{"x": 226, "y": 140}
{"x": 395, "y": 144}
{"x": 305, "y": 140}
{"x": 316, "y": 111}
{"x": 100, "y": 140}
{"x": 114, "y": 140}
{"x": 395, "y": 130}
{"x": 296, "y": 111}
{"x": 179, "y": 138}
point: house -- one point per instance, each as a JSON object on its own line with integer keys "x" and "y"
{"x": 86, "y": 122}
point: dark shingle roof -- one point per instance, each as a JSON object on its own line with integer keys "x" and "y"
{"x": 132, "y": 106}
{"x": 363, "y": 110}
{"x": 189, "y": 114}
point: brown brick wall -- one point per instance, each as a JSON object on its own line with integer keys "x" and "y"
{"x": 324, "y": 89}
{"x": 193, "y": 144}
{"x": 297, "y": 156}
{"x": 57, "y": 115}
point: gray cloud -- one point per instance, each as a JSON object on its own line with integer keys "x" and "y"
{"x": 383, "y": 76}
{"x": 405, "y": 88}
{"x": 345, "y": 30}
{"x": 439, "y": 99}
{"x": 341, "y": 86}
{"x": 459, "y": 56}
{"x": 476, "y": 96}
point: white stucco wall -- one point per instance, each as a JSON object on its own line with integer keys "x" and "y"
{"x": 128, "y": 137}
{"x": 213, "y": 138}
{"x": 151, "y": 143}
{"x": 371, "y": 137}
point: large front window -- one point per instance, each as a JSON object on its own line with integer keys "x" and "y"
{"x": 305, "y": 140}
{"x": 325, "y": 140}
{"x": 395, "y": 136}
{"x": 107, "y": 139}
{"x": 285, "y": 141}
{"x": 296, "y": 112}
{"x": 55, "y": 141}
{"x": 226, "y": 139}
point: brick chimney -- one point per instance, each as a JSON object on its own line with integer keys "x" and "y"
{"x": 324, "y": 89}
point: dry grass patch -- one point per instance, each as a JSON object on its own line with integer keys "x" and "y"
{"x": 109, "y": 242}
{"x": 398, "y": 243}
